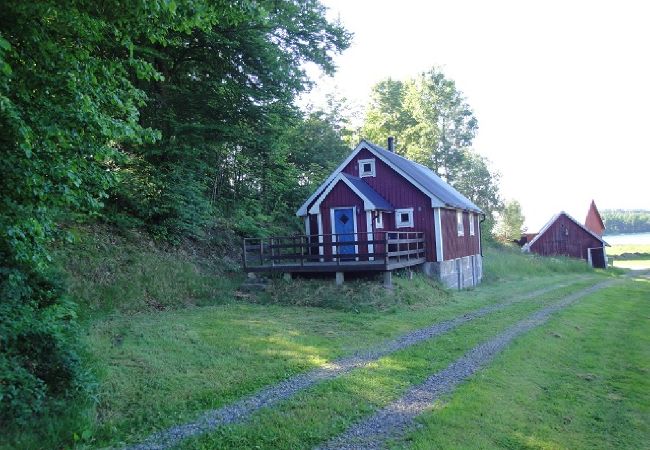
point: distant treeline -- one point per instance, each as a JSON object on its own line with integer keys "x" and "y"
{"x": 626, "y": 221}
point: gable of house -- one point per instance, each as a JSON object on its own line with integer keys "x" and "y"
{"x": 394, "y": 171}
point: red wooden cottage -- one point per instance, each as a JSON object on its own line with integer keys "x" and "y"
{"x": 375, "y": 194}
{"x": 565, "y": 236}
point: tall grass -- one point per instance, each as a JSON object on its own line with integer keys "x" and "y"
{"x": 506, "y": 262}
{"x": 128, "y": 273}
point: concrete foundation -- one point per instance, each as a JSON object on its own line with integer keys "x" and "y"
{"x": 460, "y": 273}
{"x": 388, "y": 280}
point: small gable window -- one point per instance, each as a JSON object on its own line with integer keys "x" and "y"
{"x": 404, "y": 218}
{"x": 459, "y": 223}
{"x": 471, "y": 224}
{"x": 366, "y": 168}
{"x": 379, "y": 220}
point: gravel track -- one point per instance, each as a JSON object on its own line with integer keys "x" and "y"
{"x": 242, "y": 409}
{"x": 394, "y": 420}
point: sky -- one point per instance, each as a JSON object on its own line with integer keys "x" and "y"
{"x": 561, "y": 89}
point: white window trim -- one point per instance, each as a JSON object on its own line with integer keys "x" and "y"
{"x": 372, "y": 172}
{"x": 398, "y": 216}
{"x": 379, "y": 220}
{"x": 460, "y": 226}
{"x": 471, "y": 224}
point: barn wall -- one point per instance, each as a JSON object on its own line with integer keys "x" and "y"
{"x": 556, "y": 241}
{"x": 401, "y": 194}
{"x": 455, "y": 246}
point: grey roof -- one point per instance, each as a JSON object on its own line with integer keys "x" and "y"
{"x": 427, "y": 179}
{"x": 372, "y": 195}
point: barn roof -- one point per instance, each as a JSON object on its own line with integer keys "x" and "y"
{"x": 527, "y": 246}
{"x": 441, "y": 193}
{"x": 371, "y": 199}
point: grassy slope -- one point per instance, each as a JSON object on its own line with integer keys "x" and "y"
{"x": 580, "y": 381}
{"x": 168, "y": 336}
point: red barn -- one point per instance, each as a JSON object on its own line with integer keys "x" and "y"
{"x": 376, "y": 192}
{"x": 565, "y": 236}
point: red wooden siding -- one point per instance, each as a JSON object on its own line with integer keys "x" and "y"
{"x": 565, "y": 237}
{"x": 401, "y": 194}
{"x": 455, "y": 246}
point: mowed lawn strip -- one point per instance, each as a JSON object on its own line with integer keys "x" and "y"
{"x": 321, "y": 412}
{"x": 163, "y": 369}
{"x": 580, "y": 381}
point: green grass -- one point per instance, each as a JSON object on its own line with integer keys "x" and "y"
{"x": 580, "y": 381}
{"x": 634, "y": 264}
{"x": 630, "y": 256}
{"x": 168, "y": 335}
{"x": 327, "y": 409}
{"x": 507, "y": 262}
{"x": 617, "y": 250}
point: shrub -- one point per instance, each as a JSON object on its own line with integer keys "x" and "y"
{"x": 38, "y": 360}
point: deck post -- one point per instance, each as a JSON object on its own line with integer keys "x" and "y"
{"x": 286, "y": 276}
{"x": 388, "y": 279}
{"x": 339, "y": 278}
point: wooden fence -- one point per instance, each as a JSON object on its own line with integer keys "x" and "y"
{"x": 325, "y": 252}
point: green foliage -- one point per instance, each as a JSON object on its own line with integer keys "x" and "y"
{"x": 434, "y": 126}
{"x": 626, "y": 221}
{"x": 231, "y": 141}
{"x": 169, "y": 111}
{"x": 38, "y": 357}
{"x": 510, "y": 223}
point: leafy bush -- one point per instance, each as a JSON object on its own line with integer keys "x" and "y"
{"x": 37, "y": 356}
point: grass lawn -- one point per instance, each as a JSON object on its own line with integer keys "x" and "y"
{"x": 616, "y": 250}
{"x": 167, "y": 338}
{"x": 630, "y": 256}
{"x": 634, "y": 264}
{"x": 319, "y": 413}
{"x": 580, "y": 381}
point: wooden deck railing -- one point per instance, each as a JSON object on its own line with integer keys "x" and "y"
{"x": 378, "y": 248}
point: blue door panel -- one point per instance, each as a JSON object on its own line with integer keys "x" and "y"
{"x": 344, "y": 229}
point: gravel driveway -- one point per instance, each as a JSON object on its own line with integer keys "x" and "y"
{"x": 241, "y": 410}
{"x": 395, "y": 419}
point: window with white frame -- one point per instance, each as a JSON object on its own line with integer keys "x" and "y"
{"x": 471, "y": 224}
{"x": 379, "y": 220}
{"x": 366, "y": 168}
{"x": 459, "y": 223}
{"x": 404, "y": 218}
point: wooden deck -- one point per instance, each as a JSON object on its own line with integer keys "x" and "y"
{"x": 380, "y": 252}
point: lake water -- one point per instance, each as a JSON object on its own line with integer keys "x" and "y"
{"x": 622, "y": 239}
